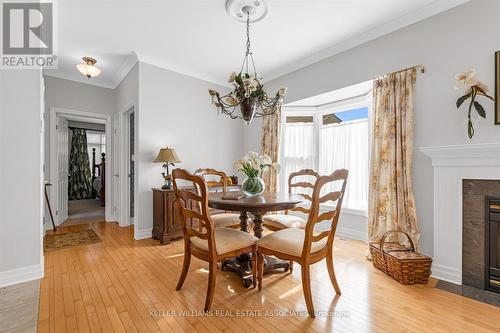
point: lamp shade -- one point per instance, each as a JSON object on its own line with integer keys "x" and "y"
{"x": 88, "y": 68}
{"x": 167, "y": 155}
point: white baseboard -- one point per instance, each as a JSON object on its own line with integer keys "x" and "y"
{"x": 142, "y": 234}
{"x": 352, "y": 234}
{"x": 446, "y": 273}
{"x": 111, "y": 218}
{"x": 20, "y": 275}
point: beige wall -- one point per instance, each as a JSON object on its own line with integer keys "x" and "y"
{"x": 454, "y": 41}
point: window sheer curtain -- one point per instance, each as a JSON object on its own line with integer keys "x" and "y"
{"x": 345, "y": 146}
{"x": 298, "y": 150}
{"x": 96, "y": 140}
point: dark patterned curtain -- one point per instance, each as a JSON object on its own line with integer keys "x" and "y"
{"x": 79, "y": 167}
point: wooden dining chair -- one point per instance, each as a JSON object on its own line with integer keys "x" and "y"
{"x": 221, "y": 219}
{"x": 277, "y": 222}
{"x": 308, "y": 246}
{"x": 206, "y": 242}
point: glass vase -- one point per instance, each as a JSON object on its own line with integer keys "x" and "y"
{"x": 253, "y": 186}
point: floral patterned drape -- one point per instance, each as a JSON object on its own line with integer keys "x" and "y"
{"x": 79, "y": 169}
{"x": 391, "y": 202}
{"x": 269, "y": 145}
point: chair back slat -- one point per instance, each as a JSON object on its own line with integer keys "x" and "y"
{"x": 320, "y": 236}
{"x": 326, "y": 216}
{"x": 195, "y": 233}
{"x": 306, "y": 196}
{"x": 300, "y": 209}
{"x": 207, "y": 172}
{"x": 296, "y": 182}
{"x": 332, "y": 196}
{"x": 315, "y": 214}
{"x": 188, "y": 195}
{"x": 302, "y": 184}
{"x": 194, "y": 206}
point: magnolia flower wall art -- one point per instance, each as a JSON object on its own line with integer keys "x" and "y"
{"x": 472, "y": 88}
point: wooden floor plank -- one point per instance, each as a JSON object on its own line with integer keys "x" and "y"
{"x": 123, "y": 285}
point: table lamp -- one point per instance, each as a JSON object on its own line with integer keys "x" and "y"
{"x": 167, "y": 156}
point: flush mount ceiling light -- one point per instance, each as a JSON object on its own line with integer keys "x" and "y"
{"x": 248, "y": 93}
{"x": 88, "y": 68}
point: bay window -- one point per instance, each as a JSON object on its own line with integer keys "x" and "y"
{"x": 328, "y": 138}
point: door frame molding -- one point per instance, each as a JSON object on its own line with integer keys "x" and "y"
{"x": 122, "y": 126}
{"x": 53, "y": 174}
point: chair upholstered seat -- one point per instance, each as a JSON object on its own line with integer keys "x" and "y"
{"x": 282, "y": 221}
{"x": 225, "y": 219}
{"x": 289, "y": 241}
{"x": 226, "y": 240}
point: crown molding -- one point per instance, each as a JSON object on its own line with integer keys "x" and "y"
{"x": 174, "y": 67}
{"x": 78, "y": 78}
{"x": 124, "y": 69}
{"x": 369, "y": 35}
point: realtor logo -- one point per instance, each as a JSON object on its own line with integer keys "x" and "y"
{"x": 28, "y": 35}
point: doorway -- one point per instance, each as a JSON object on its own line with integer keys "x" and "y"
{"x": 79, "y": 166}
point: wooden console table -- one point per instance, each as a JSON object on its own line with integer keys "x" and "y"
{"x": 166, "y": 220}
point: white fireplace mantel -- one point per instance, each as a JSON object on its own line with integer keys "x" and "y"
{"x": 453, "y": 164}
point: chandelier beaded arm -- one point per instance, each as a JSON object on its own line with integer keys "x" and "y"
{"x": 248, "y": 94}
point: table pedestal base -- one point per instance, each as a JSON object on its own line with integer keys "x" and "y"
{"x": 242, "y": 265}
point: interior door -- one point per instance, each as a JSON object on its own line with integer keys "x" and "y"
{"x": 131, "y": 166}
{"x": 63, "y": 168}
{"x": 116, "y": 166}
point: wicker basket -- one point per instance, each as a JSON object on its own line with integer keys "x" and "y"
{"x": 403, "y": 264}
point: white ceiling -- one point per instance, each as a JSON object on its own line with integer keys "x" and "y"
{"x": 355, "y": 90}
{"x": 198, "y": 38}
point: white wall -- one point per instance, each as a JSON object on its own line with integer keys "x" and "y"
{"x": 175, "y": 111}
{"x": 21, "y": 255}
{"x": 126, "y": 97}
{"x": 67, "y": 94}
{"x": 451, "y": 42}
{"x": 126, "y": 93}
{"x": 73, "y": 95}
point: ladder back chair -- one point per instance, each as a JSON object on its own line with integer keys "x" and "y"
{"x": 307, "y": 246}
{"x": 296, "y": 181}
{"x": 221, "y": 219}
{"x": 206, "y": 242}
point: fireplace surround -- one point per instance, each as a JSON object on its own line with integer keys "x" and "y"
{"x": 452, "y": 165}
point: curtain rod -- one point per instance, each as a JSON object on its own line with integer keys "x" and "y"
{"x": 418, "y": 67}
{"x": 86, "y": 129}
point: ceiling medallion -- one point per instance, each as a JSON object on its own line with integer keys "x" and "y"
{"x": 88, "y": 68}
{"x": 248, "y": 94}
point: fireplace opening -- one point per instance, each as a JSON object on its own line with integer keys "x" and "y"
{"x": 492, "y": 244}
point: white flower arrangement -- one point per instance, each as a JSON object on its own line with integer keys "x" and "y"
{"x": 253, "y": 164}
{"x": 473, "y": 88}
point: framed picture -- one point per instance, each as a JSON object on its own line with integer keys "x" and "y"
{"x": 497, "y": 88}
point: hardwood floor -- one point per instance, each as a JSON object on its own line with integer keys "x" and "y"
{"x": 124, "y": 285}
{"x": 83, "y": 212}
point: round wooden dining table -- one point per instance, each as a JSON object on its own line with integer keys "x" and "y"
{"x": 257, "y": 206}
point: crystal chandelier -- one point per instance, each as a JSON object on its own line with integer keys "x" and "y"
{"x": 248, "y": 94}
